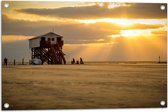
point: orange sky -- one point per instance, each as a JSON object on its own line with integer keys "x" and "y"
{"x": 94, "y": 31}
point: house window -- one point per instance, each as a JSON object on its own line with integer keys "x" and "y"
{"x": 49, "y": 39}
{"x": 53, "y": 39}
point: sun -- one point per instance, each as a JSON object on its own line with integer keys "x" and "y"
{"x": 124, "y": 23}
{"x": 121, "y": 22}
{"x": 128, "y": 33}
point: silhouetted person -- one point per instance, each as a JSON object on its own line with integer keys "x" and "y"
{"x": 81, "y": 61}
{"x": 77, "y": 62}
{"x": 73, "y": 61}
{"x": 5, "y": 61}
{"x": 159, "y": 59}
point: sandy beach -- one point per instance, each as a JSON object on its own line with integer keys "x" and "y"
{"x": 105, "y": 85}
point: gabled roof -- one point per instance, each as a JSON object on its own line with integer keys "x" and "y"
{"x": 50, "y": 34}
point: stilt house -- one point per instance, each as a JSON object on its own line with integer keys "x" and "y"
{"x": 47, "y": 48}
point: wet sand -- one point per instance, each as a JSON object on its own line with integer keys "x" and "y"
{"x": 84, "y": 86}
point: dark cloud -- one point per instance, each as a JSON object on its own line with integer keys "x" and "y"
{"x": 72, "y": 32}
{"x": 137, "y": 11}
{"x": 21, "y": 27}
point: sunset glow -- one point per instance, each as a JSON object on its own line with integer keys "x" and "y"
{"x": 106, "y": 29}
{"x": 135, "y": 33}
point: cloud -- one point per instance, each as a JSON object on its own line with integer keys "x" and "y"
{"x": 14, "y": 38}
{"x": 114, "y": 26}
{"x": 74, "y": 33}
{"x": 136, "y": 11}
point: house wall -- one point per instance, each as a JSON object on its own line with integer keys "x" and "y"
{"x": 34, "y": 43}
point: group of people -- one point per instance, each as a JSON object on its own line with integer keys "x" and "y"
{"x": 72, "y": 62}
{"x": 77, "y": 62}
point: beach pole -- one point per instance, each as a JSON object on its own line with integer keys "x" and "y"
{"x": 14, "y": 62}
{"x": 159, "y": 59}
{"x": 23, "y": 61}
{"x": 29, "y": 62}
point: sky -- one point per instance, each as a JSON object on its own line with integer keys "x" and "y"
{"x": 95, "y": 31}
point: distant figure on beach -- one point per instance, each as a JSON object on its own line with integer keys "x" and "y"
{"x": 81, "y": 61}
{"x": 73, "y": 61}
{"x": 5, "y": 61}
{"x": 77, "y": 62}
{"x": 159, "y": 59}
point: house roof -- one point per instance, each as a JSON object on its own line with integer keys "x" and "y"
{"x": 50, "y": 34}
